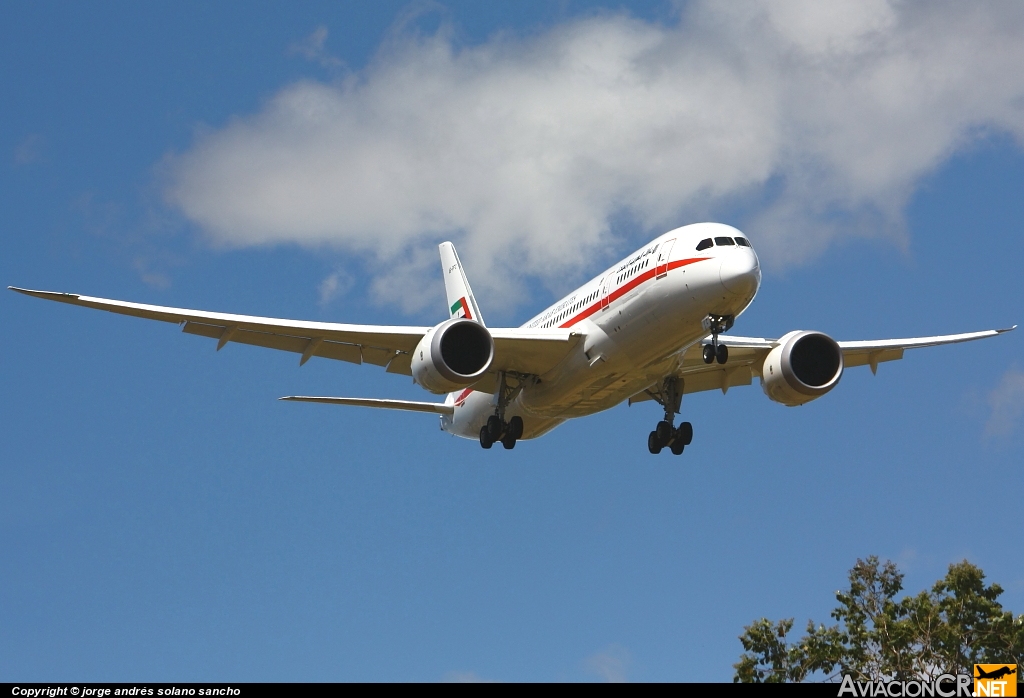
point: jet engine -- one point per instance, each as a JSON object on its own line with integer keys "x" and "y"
{"x": 453, "y": 355}
{"x": 804, "y": 366}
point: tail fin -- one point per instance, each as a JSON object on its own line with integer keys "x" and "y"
{"x": 461, "y": 302}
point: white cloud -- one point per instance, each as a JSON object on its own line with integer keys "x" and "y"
{"x": 29, "y": 150}
{"x": 150, "y": 277}
{"x": 820, "y": 118}
{"x": 312, "y": 49}
{"x": 334, "y": 285}
{"x": 610, "y": 664}
{"x": 1007, "y": 403}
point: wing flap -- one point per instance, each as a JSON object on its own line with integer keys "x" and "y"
{"x": 401, "y": 364}
{"x": 868, "y": 358}
{"x": 530, "y": 351}
{"x": 714, "y": 378}
{"x": 378, "y": 356}
{"x": 721, "y": 378}
{"x": 339, "y": 352}
{"x": 744, "y": 354}
{"x": 297, "y": 345}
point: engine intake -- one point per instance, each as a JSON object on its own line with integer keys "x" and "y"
{"x": 804, "y": 366}
{"x": 453, "y": 355}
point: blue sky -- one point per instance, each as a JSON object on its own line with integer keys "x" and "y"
{"x": 163, "y": 517}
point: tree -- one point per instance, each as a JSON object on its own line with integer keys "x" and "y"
{"x": 947, "y": 629}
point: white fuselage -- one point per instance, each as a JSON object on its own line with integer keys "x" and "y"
{"x": 638, "y": 317}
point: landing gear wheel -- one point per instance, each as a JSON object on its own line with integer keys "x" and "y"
{"x": 515, "y": 427}
{"x": 653, "y": 443}
{"x": 485, "y": 437}
{"x": 509, "y": 443}
{"x": 664, "y": 433}
{"x": 494, "y": 427}
{"x": 709, "y": 354}
{"x": 677, "y": 447}
{"x": 722, "y": 354}
{"x": 684, "y": 434}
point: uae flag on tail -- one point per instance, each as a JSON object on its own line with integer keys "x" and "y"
{"x": 461, "y": 309}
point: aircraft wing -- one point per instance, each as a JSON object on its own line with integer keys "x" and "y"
{"x": 747, "y": 354}
{"x": 529, "y": 351}
{"x": 435, "y": 407}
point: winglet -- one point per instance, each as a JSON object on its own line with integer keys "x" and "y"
{"x": 461, "y": 302}
{"x": 48, "y": 295}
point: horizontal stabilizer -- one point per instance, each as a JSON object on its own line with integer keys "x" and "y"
{"x": 408, "y": 405}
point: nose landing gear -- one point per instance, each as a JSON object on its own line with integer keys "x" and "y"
{"x": 715, "y": 351}
{"x": 669, "y": 395}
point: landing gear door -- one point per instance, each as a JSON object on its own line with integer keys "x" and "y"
{"x": 664, "y": 255}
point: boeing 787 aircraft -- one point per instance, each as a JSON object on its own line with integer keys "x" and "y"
{"x": 649, "y": 328}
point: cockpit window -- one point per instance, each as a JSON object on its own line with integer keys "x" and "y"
{"x": 724, "y": 241}
{"x": 704, "y": 244}
{"x": 742, "y": 242}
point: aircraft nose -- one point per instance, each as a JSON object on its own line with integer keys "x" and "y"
{"x": 740, "y": 273}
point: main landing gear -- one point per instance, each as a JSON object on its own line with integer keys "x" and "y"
{"x": 715, "y": 351}
{"x": 669, "y": 395}
{"x": 496, "y": 428}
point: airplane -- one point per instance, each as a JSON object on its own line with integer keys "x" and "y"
{"x": 995, "y": 673}
{"x": 649, "y": 328}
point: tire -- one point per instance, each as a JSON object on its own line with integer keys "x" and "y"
{"x": 509, "y": 443}
{"x": 709, "y": 354}
{"x": 677, "y": 448}
{"x": 515, "y": 427}
{"x": 684, "y": 434}
{"x": 722, "y": 354}
{"x": 664, "y": 433}
{"x": 653, "y": 445}
{"x": 494, "y": 427}
{"x": 485, "y": 438}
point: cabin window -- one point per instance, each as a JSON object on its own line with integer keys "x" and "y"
{"x": 724, "y": 241}
{"x": 704, "y": 244}
{"x": 742, "y": 242}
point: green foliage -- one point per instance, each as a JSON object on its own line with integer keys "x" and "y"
{"x": 948, "y": 629}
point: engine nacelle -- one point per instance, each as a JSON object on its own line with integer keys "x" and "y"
{"x": 804, "y": 366}
{"x": 453, "y": 355}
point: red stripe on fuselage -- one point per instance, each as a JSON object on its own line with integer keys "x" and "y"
{"x": 626, "y": 288}
{"x": 594, "y": 307}
{"x": 461, "y": 398}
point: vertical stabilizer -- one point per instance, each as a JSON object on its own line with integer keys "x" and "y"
{"x": 461, "y": 302}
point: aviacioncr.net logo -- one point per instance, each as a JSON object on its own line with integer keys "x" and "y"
{"x": 995, "y": 680}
